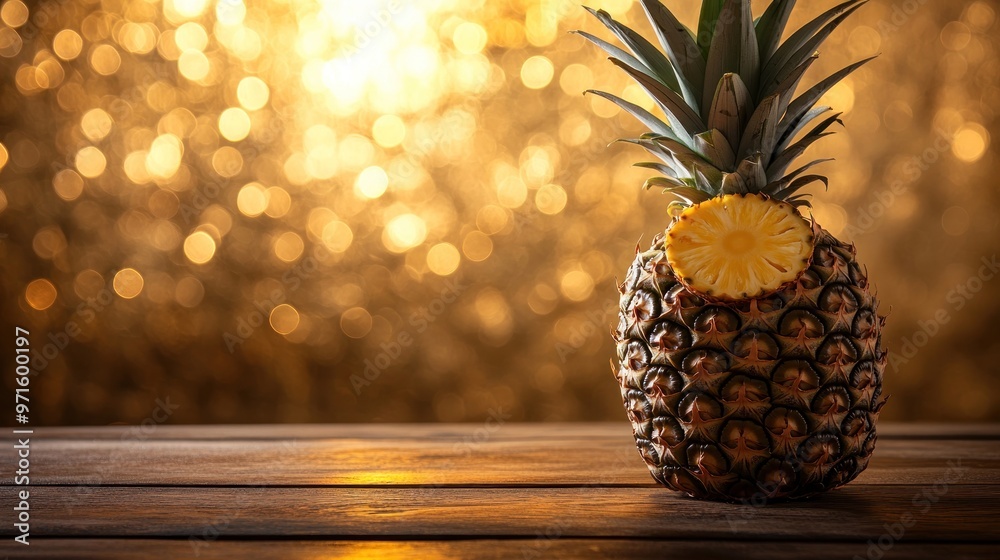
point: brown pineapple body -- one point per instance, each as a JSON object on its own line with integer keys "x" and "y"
{"x": 774, "y": 397}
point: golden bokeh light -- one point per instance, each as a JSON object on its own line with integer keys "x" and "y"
{"x": 337, "y": 236}
{"x": 371, "y": 182}
{"x": 128, "y": 283}
{"x": 284, "y": 319}
{"x": 332, "y": 167}
{"x": 252, "y": 200}
{"x": 199, "y": 247}
{"x": 388, "y": 131}
{"x": 970, "y": 143}
{"x": 14, "y": 13}
{"x": 288, "y": 246}
{"x": 537, "y": 72}
{"x": 189, "y": 292}
{"x": 477, "y": 246}
{"x": 252, "y": 93}
{"x": 40, "y": 294}
{"x": 67, "y": 44}
{"x": 234, "y": 124}
{"x": 443, "y": 259}
{"x": 90, "y": 162}
{"x": 105, "y": 59}
{"x": 96, "y": 124}
{"x": 469, "y": 37}
{"x": 577, "y": 285}
{"x": 356, "y": 322}
{"x": 404, "y": 232}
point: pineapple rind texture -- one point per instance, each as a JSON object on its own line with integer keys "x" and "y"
{"x": 772, "y": 398}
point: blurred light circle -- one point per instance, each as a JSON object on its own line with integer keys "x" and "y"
{"x": 404, "y": 232}
{"x": 284, "y": 319}
{"x": 337, "y": 236}
{"x": 356, "y": 322}
{"x": 40, "y": 294}
{"x": 469, "y": 38}
{"x": 68, "y": 184}
{"x": 199, "y": 247}
{"x": 537, "y": 72}
{"x": 252, "y": 200}
{"x": 388, "y": 131}
{"x": 477, "y": 246}
{"x": 96, "y": 124}
{"x": 128, "y": 283}
{"x": 288, "y": 246}
{"x": 105, "y": 60}
{"x": 955, "y": 221}
{"x": 90, "y": 162}
{"x": 577, "y": 285}
{"x": 14, "y": 13}
{"x": 443, "y": 259}
{"x": 372, "y": 182}
{"x": 550, "y": 199}
{"x": 189, "y": 291}
{"x": 970, "y": 143}
{"x": 234, "y": 124}
{"x": 252, "y": 93}
{"x": 67, "y": 44}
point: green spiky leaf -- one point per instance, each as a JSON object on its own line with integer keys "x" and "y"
{"x": 681, "y": 49}
{"x": 803, "y": 43}
{"x": 731, "y": 109}
{"x": 645, "y": 117}
{"x": 804, "y": 102}
{"x": 716, "y": 149}
{"x": 771, "y": 26}
{"x": 642, "y": 49}
{"x": 682, "y": 119}
{"x": 761, "y": 130}
{"x": 733, "y": 50}
{"x": 707, "y": 24}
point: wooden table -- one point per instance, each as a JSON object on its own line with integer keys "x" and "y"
{"x": 489, "y": 490}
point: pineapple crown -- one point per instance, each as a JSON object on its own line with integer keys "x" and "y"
{"x": 728, "y": 94}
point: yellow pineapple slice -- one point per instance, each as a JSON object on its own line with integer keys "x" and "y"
{"x": 739, "y": 246}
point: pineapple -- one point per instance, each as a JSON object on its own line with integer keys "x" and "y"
{"x": 749, "y": 340}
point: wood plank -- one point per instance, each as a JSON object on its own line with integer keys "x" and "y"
{"x": 447, "y": 432}
{"x": 855, "y": 513}
{"x": 485, "y": 549}
{"x": 607, "y": 461}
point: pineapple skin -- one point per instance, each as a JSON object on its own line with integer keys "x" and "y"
{"x": 767, "y": 399}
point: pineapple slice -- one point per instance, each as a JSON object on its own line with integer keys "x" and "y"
{"x": 737, "y": 247}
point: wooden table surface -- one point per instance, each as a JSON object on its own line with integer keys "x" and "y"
{"x": 475, "y": 491}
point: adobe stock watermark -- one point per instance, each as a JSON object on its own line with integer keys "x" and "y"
{"x": 901, "y": 13}
{"x": 922, "y": 503}
{"x": 211, "y": 532}
{"x": 291, "y": 281}
{"x": 134, "y": 436}
{"x": 60, "y": 339}
{"x": 868, "y": 217}
{"x": 596, "y": 323}
{"x": 419, "y": 321}
{"x": 958, "y": 297}
{"x": 559, "y": 527}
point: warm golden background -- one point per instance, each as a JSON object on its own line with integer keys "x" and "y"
{"x": 422, "y": 187}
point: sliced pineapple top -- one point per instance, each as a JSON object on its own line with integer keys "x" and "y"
{"x": 736, "y": 247}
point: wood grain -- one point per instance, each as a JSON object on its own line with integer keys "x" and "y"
{"x": 465, "y": 491}
{"x": 855, "y": 513}
{"x": 483, "y": 549}
{"x": 539, "y": 461}
{"x": 448, "y": 432}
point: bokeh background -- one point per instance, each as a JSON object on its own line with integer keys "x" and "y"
{"x": 333, "y": 210}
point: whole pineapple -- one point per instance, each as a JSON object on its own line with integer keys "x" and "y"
{"x": 749, "y": 340}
